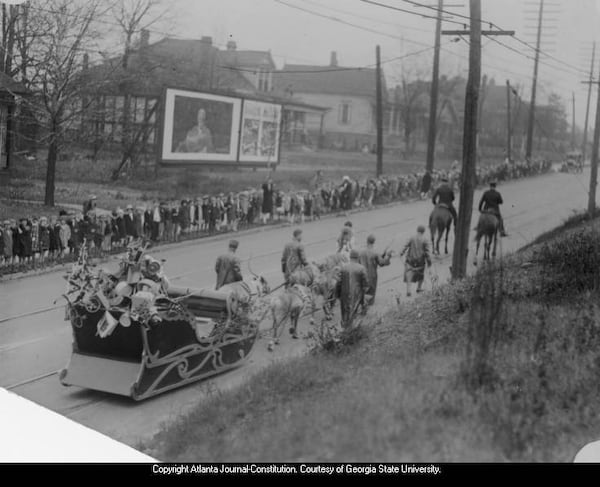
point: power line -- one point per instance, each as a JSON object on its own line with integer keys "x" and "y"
{"x": 492, "y": 24}
{"x": 330, "y": 70}
{"x": 335, "y": 19}
{"x": 501, "y": 69}
{"x": 531, "y": 58}
{"x": 412, "y": 12}
{"x": 354, "y": 14}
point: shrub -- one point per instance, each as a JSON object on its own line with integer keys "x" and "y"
{"x": 571, "y": 263}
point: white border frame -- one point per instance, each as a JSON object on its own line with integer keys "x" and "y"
{"x": 168, "y": 156}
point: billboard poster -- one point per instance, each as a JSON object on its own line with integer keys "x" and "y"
{"x": 200, "y": 127}
{"x": 261, "y": 122}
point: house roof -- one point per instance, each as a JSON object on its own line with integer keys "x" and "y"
{"x": 246, "y": 58}
{"x": 299, "y": 78}
{"x": 185, "y": 63}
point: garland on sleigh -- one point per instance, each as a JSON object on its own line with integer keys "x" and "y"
{"x": 136, "y": 292}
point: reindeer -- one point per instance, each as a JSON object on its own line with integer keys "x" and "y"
{"x": 243, "y": 293}
{"x": 288, "y": 304}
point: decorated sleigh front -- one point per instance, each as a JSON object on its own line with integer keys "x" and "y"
{"x": 135, "y": 335}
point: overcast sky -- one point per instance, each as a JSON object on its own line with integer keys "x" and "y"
{"x": 301, "y": 37}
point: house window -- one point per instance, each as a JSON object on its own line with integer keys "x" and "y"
{"x": 106, "y": 118}
{"x": 344, "y": 113}
{"x": 264, "y": 80}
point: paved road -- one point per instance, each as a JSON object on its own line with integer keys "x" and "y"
{"x": 36, "y": 345}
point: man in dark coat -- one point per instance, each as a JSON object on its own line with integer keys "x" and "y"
{"x": 346, "y": 194}
{"x": 444, "y": 195}
{"x": 490, "y": 202}
{"x": 371, "y": 260}
{"x": 417, "y": 257}
{"x": 128, "y": 219}
{"x": 293, "y": 257}
{"x": 228, "y": 266}
{"x": 352, "y": 288}
{"x": 267, "y": 200}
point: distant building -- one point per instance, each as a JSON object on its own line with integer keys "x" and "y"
{"x": 9, "y": 91}
{"x": 348, "y": 93}
{"x": 140, "y": 78}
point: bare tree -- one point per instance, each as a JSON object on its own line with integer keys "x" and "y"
{"x": 133, "y": 17}
{"x": 50, "y": 43}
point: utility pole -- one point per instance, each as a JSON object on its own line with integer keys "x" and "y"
{"x": 435, "y": 80}
{"x": 528, "y": 148}
{"x": 469, "y": 162}
{"x": 467, "y": 186}
{"x": 573, "y": 123}
{"x": 379, "y": 113}
{"x": 508, "y": 127}
{"x": 594, "y": 160}
{"x": 587, "y": 109}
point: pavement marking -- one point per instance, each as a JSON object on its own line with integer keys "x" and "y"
{"x": 33, "y": 379}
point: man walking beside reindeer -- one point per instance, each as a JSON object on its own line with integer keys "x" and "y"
{"x": 371, "y": 260}
{"x": 352, "y": 288}
{"x": 294, "y": 256}
{"x": 228, "y": 267}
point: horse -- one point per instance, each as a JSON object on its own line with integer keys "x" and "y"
{"x": 331, "y": 261}
{"x": 439, "y": 220}
{"x": 488, "y": 227}
{"x": 325, "y": 283}
{"x": 245, "y": 292}
{"x": 288, "y": 304}
{"x": 304, "y": 276}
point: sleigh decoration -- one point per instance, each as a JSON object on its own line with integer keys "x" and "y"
{"x": 135, "y": 335}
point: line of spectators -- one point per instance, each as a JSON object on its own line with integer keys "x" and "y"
{"x": 35, "y": 242}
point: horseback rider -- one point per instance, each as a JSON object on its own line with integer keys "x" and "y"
{"x": 228, "y": 267}
{"x": 490, "y": 202}
{"x": 444, "y": 196}
{"x": 293, "y": 257}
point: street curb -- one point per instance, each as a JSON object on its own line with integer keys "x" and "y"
{"x": 194, "y": 241}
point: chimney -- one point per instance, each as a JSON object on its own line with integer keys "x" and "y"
{"x": 206, "y": 40}
{"x": 333, "y": 61}
{"x": 144, "y": 38}
{"x": 231, "y": 46}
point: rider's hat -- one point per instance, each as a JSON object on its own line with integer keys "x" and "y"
{"x": 493, "y": 184}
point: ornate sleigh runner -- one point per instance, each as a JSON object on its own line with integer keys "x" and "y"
{"x": 136, "y": 336}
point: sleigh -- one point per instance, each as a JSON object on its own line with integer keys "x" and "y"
{"x": 142, "y": 343}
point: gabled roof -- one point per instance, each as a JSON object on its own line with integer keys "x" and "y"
{"x": 185, "y": 63}
{"x": 299, "y": 78}
{"x": 247, "y": 59}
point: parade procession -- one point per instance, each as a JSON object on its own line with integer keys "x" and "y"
{"x": 299, "y": 237}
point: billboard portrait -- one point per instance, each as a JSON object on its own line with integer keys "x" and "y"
{"x": 200, "y": 127}
{"x": 261, "y": 123}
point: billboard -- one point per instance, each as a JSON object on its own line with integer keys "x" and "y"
{"x": 212, "y": 129}
{"x": 260, "y": 132}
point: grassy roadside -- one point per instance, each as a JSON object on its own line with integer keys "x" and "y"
{"x": 79, "y": 177}
{"x": 502, "y": 367}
